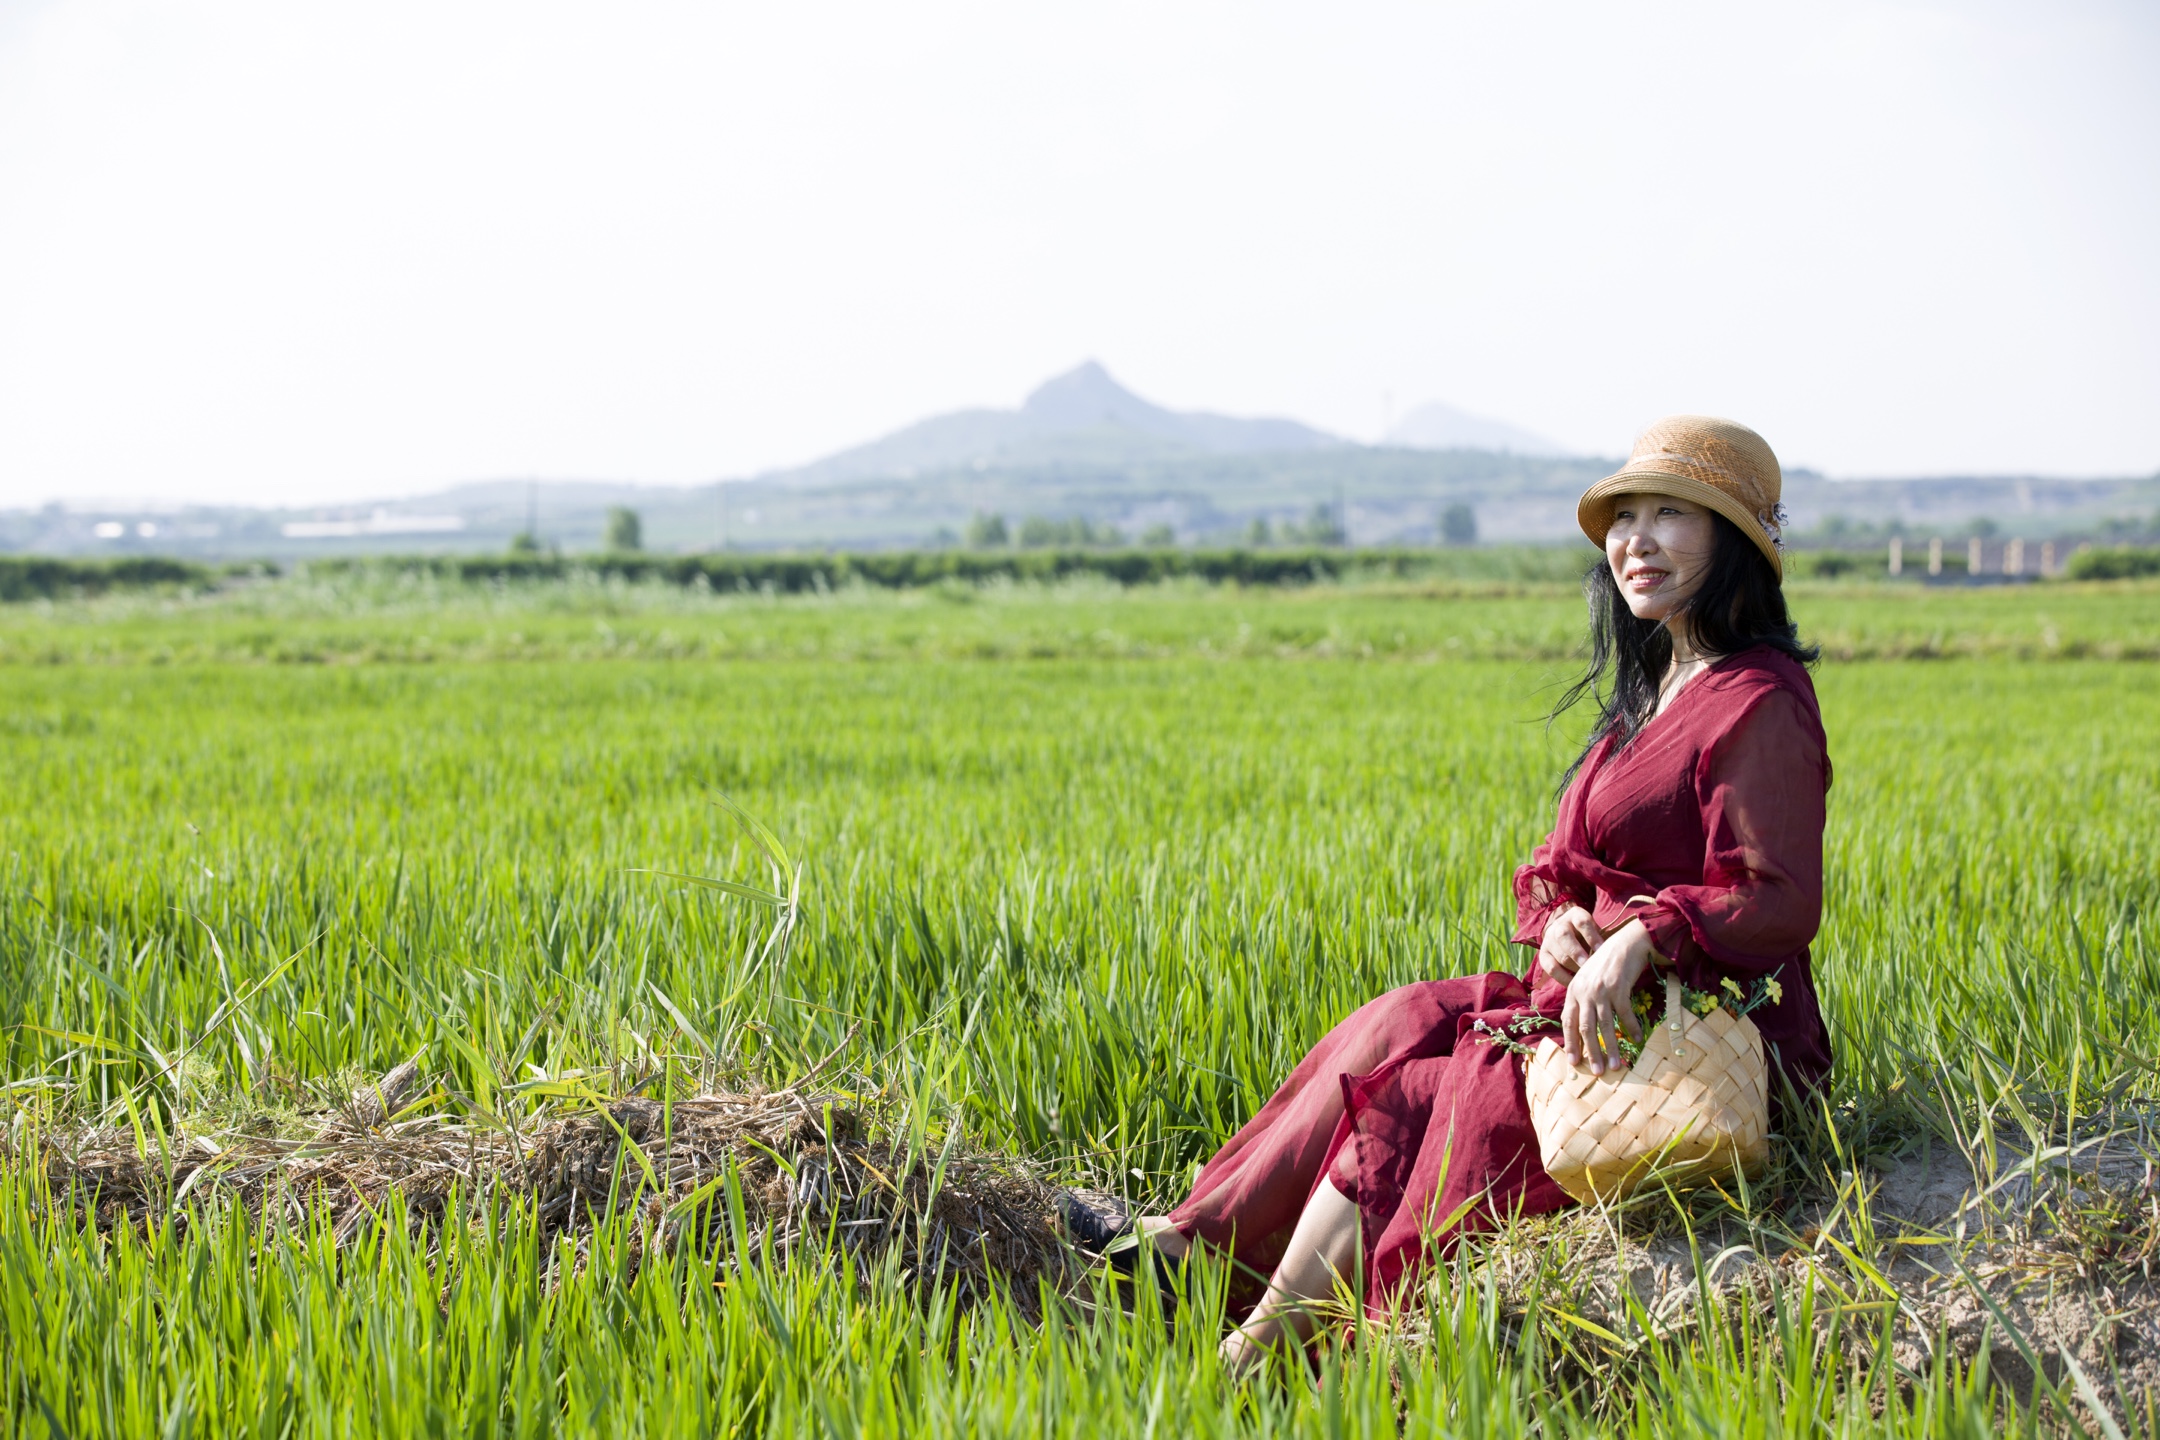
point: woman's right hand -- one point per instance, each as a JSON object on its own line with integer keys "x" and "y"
{"x": 1571, "y": 937}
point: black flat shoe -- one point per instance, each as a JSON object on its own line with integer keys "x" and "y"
{"x": 1094, "y": 1223}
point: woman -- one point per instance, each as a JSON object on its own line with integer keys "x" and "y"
{"x": 1689, "y": 836}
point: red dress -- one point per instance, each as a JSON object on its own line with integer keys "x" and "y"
{"x": 1708, "y": 828}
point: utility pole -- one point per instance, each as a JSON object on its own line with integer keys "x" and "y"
{"x": 532, "y": 512}
{"x": 720, "y": 514}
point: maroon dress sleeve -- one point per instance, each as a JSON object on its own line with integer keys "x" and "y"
{"x": 1763, "y": 788}
{"x": 1542, "y": 892}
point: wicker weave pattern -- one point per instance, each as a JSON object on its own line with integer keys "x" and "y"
{"x": 1694, "y": 1107}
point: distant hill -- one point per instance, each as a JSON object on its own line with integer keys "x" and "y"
{"x": 1443, "y": 427}
{"x": 1081, "y": 446}
{"x": 1081, "y": 417}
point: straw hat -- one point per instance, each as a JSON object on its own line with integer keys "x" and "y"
{"x": 1712, "y": 462}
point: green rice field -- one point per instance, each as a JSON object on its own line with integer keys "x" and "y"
{"x": 1084, "y": 872}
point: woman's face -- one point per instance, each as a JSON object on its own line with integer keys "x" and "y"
{"x": 1659, "y": 548}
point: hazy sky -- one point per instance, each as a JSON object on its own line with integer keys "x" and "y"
{"x": 290, "y": 251}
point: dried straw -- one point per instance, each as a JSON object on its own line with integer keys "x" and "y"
{"x": 812, "y": 1172}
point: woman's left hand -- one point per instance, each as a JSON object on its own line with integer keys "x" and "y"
{"x": 1598, "y": 1000}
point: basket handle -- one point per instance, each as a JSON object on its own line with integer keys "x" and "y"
{"x": 1675, "y": 1010}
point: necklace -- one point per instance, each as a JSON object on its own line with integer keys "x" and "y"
{"x": 1677, "y": 674}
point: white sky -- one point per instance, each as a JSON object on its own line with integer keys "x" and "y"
{"x": 291, "y": 251}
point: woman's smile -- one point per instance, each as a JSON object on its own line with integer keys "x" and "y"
{"x": 1658, "y": 547}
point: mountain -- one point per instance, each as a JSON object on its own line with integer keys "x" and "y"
{"x": 1081, "y": 417}
{"x": 1443, "y": 427}
{"x": 1083, "y": 446}
{"x": 1389, "y": 495}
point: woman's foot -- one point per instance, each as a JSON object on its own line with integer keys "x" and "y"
{"x": 1170, "y": 1242}
{"x": 1097, "y": 1225}
{"x": 1093, "y": 1221}
{"x": 1243, "y": 1352}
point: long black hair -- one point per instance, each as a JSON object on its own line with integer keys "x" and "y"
{"x": 1738, "y": 605}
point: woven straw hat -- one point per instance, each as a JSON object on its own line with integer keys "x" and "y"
{"x": 1712, "y": 462}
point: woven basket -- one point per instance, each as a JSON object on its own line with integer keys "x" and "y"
{"x": 1694, "y": 1107}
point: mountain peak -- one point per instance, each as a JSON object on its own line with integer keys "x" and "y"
{"x": 1081, "y": 416}
{"x": 1443, "y": 427}
{"x": 1086, "y": 396}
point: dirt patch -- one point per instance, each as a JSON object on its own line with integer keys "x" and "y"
{"x": 2047, "y": 1268}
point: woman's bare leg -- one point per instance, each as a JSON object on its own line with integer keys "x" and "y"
{"x": 1323, "y": 1255}
{"x": 1382, "y": 1027}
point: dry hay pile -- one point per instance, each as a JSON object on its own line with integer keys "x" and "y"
{"x": 810, "y": 1169}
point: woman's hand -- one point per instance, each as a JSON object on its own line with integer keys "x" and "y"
{"x": 1570, "y": 937}
{"x": 1598, "y": 1000}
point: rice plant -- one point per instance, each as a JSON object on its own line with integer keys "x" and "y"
{"x": 1082, "y": 873}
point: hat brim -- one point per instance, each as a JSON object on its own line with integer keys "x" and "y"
{"x": 1594, "y": 511}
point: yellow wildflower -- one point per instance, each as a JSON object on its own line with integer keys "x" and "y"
{"x": 1776, "y": 991}
{"x": 1727, "y": 984}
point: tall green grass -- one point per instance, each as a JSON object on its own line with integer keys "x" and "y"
{"x": 363, "y": 615}
{"x": 238, "y": 1330}
{"x": 1087, "y": 909}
